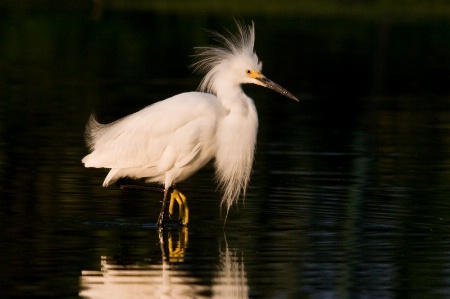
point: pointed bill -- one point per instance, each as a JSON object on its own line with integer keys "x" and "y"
{"x": 274, "y": 86}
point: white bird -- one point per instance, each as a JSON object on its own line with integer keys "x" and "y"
{"x": 169, "y": 141}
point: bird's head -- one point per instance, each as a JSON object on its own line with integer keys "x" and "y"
{"x": 234, "y": 63}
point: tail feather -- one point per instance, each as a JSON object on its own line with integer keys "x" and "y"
{"x": 94, "y": 130}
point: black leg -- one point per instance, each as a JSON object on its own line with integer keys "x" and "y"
{"x": 162, "y": 234}
{"x": 162, "y": 214}
{"x": 122, "y": 185}
{"x": 167, "y": 192}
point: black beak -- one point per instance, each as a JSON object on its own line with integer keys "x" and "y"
{"x": 274, "y": 86}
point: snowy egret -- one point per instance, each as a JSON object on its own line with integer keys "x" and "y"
{"x": 170, "y": 140}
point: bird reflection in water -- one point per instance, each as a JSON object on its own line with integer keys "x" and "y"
{"x": 175, "y": 277}
{"x": 175, "y": 249}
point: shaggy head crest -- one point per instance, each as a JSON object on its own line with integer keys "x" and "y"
{"x": 234, "y": 50}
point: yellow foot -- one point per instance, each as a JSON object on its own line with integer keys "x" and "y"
{"x": 182, "y": 206}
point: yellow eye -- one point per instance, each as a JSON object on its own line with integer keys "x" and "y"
{"x": 248, "y": 72}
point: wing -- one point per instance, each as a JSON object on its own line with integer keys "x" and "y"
{"x": 161, "y": 135}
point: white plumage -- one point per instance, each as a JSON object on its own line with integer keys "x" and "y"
{"x": 172, "y": 139}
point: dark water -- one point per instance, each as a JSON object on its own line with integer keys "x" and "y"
{"x": 349, "y": 195}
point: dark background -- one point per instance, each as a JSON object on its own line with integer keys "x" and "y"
{"x": 349, "y": 194}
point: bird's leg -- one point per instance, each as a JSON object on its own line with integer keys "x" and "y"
{"x": 161, "y": 235}
{"x": 182, "y": 206}
{"x": 160, "y": 223}
{"x": 122, "y": 185}
{"x": 175, "y": 195}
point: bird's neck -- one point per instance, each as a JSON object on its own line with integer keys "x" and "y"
{"x": 236, "y": 139}
{"x": 234, "y": 99}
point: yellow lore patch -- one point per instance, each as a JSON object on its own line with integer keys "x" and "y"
{"x": 253, "y": 74}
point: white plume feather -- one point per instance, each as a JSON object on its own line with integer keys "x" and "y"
{"x": 216, "y": 60}
{"x": 236, "y": 137}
